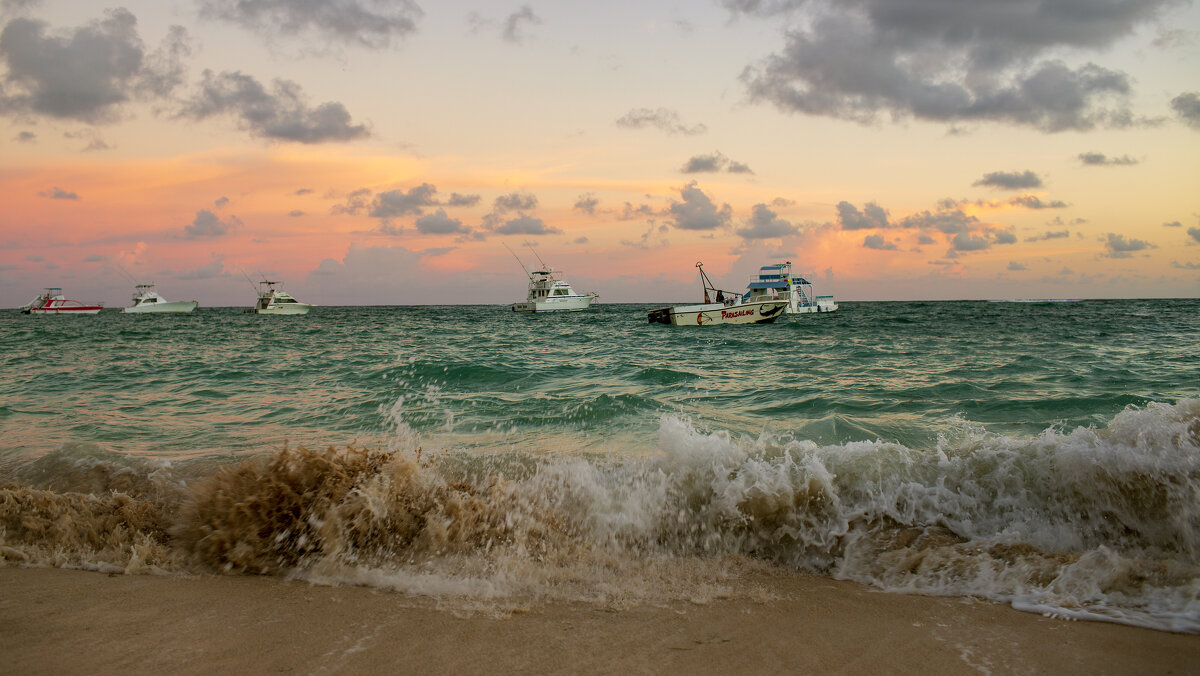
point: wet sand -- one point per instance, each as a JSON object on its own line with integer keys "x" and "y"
{"x": 66, "y": 621}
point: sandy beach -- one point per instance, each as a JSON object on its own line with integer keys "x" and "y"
{"x": 67, "y": 621}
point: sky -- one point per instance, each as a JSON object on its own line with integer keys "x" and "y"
{"x": 379, "y": 152}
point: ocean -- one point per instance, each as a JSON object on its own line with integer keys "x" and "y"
{"x": 1040, "y": 454}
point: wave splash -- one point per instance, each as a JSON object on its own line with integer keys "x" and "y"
{"x": 1091, "y": 523}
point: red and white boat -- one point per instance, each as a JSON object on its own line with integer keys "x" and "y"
{"x": 53, "y": 302}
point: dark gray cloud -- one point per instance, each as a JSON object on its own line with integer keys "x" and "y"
{"x": 1185, "y": 266}
{"x": 1015, "y": 266}
{"x": 1119, "y": 247}
{"x": 1049, "y": 234}
{"x": 1172, "y": 224}
{"x": 526, "y": 225}
{"x": 93, "y": 258}
{"x": 303, "y": 191}
{"x": 949, "y": 62}
{"x": 713, "y": 163}
{"x": 1194, "y": 233}
{"x": 629, "y": 212}
{"x": 1010, "y": 180}
{"x": 438, "y": 223}
{"x": 221, "y": 201}
{"x": 368, "y": 23}
{"x": 25, "y": 137}
{"x": 513, "y": 31}
{"x": 948, "y": 220}
{"x": 88, "y": 73}
{"x": 208, "y": 224}
{"x": 58, "y": 193}
{"x": 871, "y": 216}
{"x": 514, "y": 201}
{"x": 766, "y": 224}
{"x": 587, "y": 203}
{"x": 295, "y": 213}
{"x": 878, "y": 242}
{"x": 966, "y": 241}
{"x": 1102, "y": 160}
{"x": 697, "y": 211}
{"x": 1187, "y": 107}
{"x": 1035, "y": 202}
{"x": 662, "y": 119}
{"x": 282, "y": 114}
{"x": 393, "y": 203}
{"x": 457, "y": 200}
{"x": 1004, "y": 237}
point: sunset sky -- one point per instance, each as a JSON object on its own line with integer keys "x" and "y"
{"x": 385, "y": 152}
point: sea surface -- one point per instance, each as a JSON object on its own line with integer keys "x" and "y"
{"x": 1042, "y": 454}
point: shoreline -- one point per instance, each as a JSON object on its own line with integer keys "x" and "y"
{"x": 57, "y": 620}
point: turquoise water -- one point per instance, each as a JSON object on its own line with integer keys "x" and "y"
{"x": 1045, "y": 454}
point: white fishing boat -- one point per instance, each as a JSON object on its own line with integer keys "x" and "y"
{"x": 728, "y": 308}
{"x": 549, "y": 292}
{"x": 275, "y": 301}
{"x": 776, "y": 282}
{"x": 146, "y": 300}
{"x": 53, "y": 302}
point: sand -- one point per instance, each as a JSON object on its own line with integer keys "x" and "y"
{"x": 69, "y": 621}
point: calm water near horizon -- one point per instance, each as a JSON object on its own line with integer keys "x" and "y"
{"x": 1045, "y": 454}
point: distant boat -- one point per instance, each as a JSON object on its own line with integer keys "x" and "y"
{"x": 728, "y": 309}
{"x": 776, "y": 282}
{"x": 549, "y": 292}
{"x": 273, "y": 301}
{"x": 52, "y": 302}
{"x": 146, "y": 300}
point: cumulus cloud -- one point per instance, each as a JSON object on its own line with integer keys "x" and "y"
{"x": 953, "y": 62}
{"x": 25, "y": 137}
{"x": 58, "y": 193}
{"x": 88, "y": 73}
{"x": 438, "y": 223}
{"x": 714, "y": 163}
{"x": 697, "y": 211}
{"x": 1119, "y": 247}
{"x": 1102, "y": 160}
{"x": 1194, "y": 233}
{"x": 457, "y": 200}
{"x": 208, "y": 224}
{"x": 1187, "y": 107}
{"x": 514, "y": 201}
{"x": 367, "y": 23}
{"x": 1035, "y": 202}
{"x": 871, "y": 216}
{"x": 393, "y": 203}
{"x": 878, "y": 242}
{"x": 1015, "y": 266}
{"x": 1172, "y": 224}
{"x": 1010, "y": 180}
{"x": 1049, "y": 234}
{"x": 662, "y": 119}
{"x": 766, "y": 224}
{"x": 587, "y": 203}
{"x": 282, "y": 114}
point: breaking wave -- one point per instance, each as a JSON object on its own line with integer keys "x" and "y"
{"x": 1094, "y": 523}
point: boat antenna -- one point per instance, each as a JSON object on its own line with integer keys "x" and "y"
{"x": 704, "y": 281}
{"x": 124, "y": 273}
{"x": 535, "y": 253}
{"x": 514, "y": 253}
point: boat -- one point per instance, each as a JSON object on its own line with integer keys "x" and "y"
{"x": 776, "y": 282}
{"x": 274, "y": 301}
{"x": 549, "y": 292}
{"x": 728, "y": 308}
{"x": 146, "y": 300}
{"x": 53, "y": 302}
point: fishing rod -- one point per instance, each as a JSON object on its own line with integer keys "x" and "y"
{"x": 514, "y": 253}
{"x": 535, "y": 253}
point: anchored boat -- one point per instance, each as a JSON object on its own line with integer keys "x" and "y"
{"x": 53, "y": 302}
{"x": 273, "y": 301}
{"x": 728, "y": 308}
{"x": 549, "y": 292}
{"x": 146, "y": 300}
{"x": 776, "y": 282}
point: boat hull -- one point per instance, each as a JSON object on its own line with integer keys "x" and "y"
{"x": 64, "y": 311}
{"x": 710, "y": 314}
{"x": 288, "y": 309}
{"x": 567, "y": 304}
{"x": 173, "y": 307}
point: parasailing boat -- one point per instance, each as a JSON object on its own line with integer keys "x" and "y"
{"x": 776, "y": 282}
{"x": 719, "y": 308}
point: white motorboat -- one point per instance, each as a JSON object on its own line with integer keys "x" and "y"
{"x": 776, "y": 282}
{"x": 549, "y": 292}
{"x": 728, "y": 308}
{"x": 275, "y": 301}
{"x": 146, "y": 300}
{"x": 53, "y": 302}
